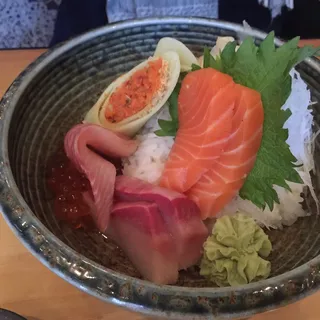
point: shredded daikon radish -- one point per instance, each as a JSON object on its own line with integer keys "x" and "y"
{"x": 300, "y": 122}
{"x": 283, "y": 214}
{"x": 299, "y": 125}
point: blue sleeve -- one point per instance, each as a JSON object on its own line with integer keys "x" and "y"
{"x": 78, "y": 16}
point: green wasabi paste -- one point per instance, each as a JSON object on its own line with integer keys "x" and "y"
{"x": 233, "y": 254}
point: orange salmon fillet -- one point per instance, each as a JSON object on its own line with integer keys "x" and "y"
{"x": 206, "y": 105}
{"x": 221, "y": 183}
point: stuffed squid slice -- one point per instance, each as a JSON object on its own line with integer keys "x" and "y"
{"x": 132, "y": 99}
{"x": 187, "y": 58}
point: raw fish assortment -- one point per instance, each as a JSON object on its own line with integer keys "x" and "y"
{"x": 196, "y": 177}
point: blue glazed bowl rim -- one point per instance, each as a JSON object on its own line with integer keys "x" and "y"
{"x": 10, "y": 99}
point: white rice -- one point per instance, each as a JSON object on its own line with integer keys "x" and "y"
{"x": 149, "y": 160}
{"x": 147, "y": 163}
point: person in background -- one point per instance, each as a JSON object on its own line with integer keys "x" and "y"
{"x": 78, "y": 16}
{"x": 27, "y": 23}
{"x": 43, "y": 23}
{"x": 287, "y": 18}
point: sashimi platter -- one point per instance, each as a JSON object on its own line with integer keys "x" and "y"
{"x": 186, "y": 162}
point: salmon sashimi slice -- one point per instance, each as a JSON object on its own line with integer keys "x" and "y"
{"x": 139, "y": 229}
{"x": 221, "y": 183}
{"x": 181, "y": 215}
{"x": 205, "y": 106}
{"x": 100, "y": 172}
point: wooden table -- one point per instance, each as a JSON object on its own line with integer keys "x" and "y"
{"x": 32, "y": 290}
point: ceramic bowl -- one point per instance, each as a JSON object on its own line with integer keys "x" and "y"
{"x": 9, "y": 315}
{"x": 52, "y": 95}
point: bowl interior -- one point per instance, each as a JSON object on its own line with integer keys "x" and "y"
{"x": 60, "y": 95}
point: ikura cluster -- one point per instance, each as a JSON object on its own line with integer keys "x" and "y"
{"x": 67, "y": 185}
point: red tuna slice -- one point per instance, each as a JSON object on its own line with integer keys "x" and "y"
{"x": 139, "y": 229}
{"x": 181, "y": 215}
{"x": 100, "y": 172}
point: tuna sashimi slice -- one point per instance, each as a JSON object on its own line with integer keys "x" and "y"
{"x": 139, "y": 229}
{"x": 182, "y": 216}
{"x": 221, "y": 183}
{"x": 205, "y": 106}
{"x": 100, "y": 172}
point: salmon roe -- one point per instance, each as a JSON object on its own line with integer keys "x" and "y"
{"x": 135, "y": 93}
{"x": 67, "y": 186}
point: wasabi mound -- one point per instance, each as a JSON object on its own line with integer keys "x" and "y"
{"x": 234, "y": 253}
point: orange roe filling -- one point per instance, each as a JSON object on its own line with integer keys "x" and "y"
{"x": 135, "y": 93}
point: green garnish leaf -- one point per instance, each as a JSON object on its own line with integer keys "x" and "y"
{"x": 207, "y": 58}
{"x": 173, "y": 103}
{"x": 227, "y": 57}
{"x": 266, "y": 70}
{"x": 210, "y": 62}
{"x": 183, "y": 74}
{"x": 161, "y": 133}
{"x": 195, "y": 67}
{"x": 166, "y": 125}
{"x": 307, "y": 52}
{"x": 170, "y": 127}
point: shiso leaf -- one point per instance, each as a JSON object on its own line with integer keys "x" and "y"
{"x": 266, "y": 70}
{"x": 209, "y": 61}
{"x": 207, "y": 58}
{"x": 307, "y": 52}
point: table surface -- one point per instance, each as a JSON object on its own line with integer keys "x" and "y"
{"x": 30, "y": 289}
